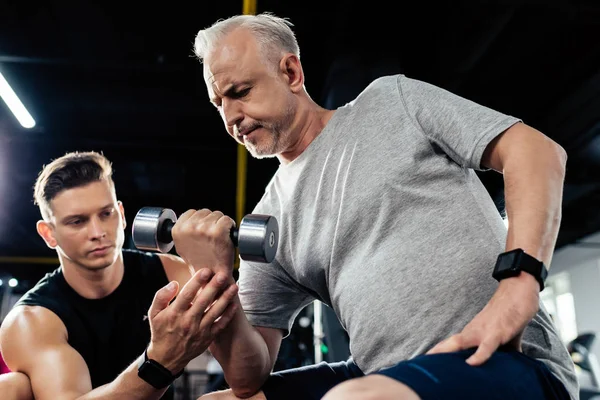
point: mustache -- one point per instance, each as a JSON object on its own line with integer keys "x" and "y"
{"x": 246, "y": 128}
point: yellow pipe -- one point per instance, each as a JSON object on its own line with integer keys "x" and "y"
{"x": 29, "y": 260}
{"x": 242, "y": 154}
{"x": 250, "y": 7}
{"x": 242, "y": 160}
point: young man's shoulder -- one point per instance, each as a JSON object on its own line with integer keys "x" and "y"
{"x": 22, "y": 320}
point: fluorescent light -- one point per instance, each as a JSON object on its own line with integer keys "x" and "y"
{"x": 14, "y": 104}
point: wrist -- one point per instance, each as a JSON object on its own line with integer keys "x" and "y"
{"x": 154, "y": 373}
{"x": 523, "y": 279}
{"x": 173, "y": 365}
{"x": 522, "y": 292}
{"x": 518, "y": 264}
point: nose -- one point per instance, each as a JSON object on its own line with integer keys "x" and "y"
{"x": 96, "y": 229}
{"x": 231, "y": 112}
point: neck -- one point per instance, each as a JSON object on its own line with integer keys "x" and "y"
{"x": 309, "y": 123}
{"x": 93, "y": 284}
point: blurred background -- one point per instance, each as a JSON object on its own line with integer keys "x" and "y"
{"x": 121, "y": 78}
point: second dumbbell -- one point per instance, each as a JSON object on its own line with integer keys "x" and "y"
{"x": 257, "y": 237}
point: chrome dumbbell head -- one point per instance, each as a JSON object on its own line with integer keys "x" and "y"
{"x": 152, "y": 229}
{"x": 258, "y": 238}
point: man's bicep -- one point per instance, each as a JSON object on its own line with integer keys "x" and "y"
{"x": 34, "y": 343}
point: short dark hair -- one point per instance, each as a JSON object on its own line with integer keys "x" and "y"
{"x": 72, "y": 170}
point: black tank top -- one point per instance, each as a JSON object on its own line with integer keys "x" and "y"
{"x": 109, "y": 333}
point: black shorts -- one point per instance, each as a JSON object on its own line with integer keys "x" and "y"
{"x": 506, "y": 375}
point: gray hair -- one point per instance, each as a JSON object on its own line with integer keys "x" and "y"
{"x": 273, "y": 35}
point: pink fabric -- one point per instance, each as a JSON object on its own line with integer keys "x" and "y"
{"x": 3, "y": 367}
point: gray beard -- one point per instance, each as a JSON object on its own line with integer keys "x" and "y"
{"x": 278, "y": 138}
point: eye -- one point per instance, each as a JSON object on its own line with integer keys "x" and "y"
{"x": 241, "y": 93}
{"x": 75, "y": 222}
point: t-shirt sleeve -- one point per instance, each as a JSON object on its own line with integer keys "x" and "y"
{"x": 269, "y": 296}
{"x": 460, "y": 127}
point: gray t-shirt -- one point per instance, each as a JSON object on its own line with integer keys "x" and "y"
{"x": 384, "y": 219}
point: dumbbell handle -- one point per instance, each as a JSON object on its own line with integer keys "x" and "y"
{"x": 164, "y": 234}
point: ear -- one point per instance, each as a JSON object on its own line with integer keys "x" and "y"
{"x": 46, "y": 231}
{"x": 122, "y": 210}
{"x": 292, "y": 69}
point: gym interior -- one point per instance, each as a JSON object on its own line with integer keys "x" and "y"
{"x": 121, "y": 78}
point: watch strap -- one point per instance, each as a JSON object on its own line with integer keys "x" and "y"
{"x": 513, "y": 262}
{"x": 155, "y": 373}
{"x": 534, "y": 267}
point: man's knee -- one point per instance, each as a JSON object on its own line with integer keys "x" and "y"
{"x": 228, "y": 395}
{"x": 370, "y": 388}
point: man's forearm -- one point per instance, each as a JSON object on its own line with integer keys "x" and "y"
{"x": 243, "y": 355}
{"x": 127, "y": 386}
{"x": 533, "y": 193}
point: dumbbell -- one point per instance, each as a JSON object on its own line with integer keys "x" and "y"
{"x": 256, "y": 238}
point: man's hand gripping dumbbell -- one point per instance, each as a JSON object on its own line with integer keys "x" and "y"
{"x": 204, "y": 238}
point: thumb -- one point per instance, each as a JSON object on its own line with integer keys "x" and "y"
{"x": 162, "y": 298}
{"x": 515, "y": 343}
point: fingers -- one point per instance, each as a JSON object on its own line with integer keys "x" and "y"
{"x": 461, "y": 341}
{"x": 208, "y": 299}
{"x": 224, "y": 320}
{"x": 484, "y": 352}
{"x": 189, "y": 221}
{"x": 203, "y": 222}
{"x": 186, "y": 216}
{"x": 452, "y": 344}
{"x": 203, "y": 216}
{"x": 162, "y": 298}
{"x": 219, "y": 307}
{"x": 210, "y": 292}
{"x": 216, "y": 224}
{"x": 187, "y": 294}
{"x": 225, "y": 223}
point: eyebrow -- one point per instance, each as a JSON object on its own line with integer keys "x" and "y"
{"x": 73, "y": 216}
{"x": 231, "y": 89}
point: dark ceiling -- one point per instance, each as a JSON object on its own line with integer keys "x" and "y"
{"x": 120, "y": 77}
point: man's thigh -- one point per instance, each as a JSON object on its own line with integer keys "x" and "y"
{"x": 506, "y": 375}
{"x": 310, "y": 382}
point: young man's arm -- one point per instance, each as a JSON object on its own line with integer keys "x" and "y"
{"x": 34, "y": 342}
{"x": 176, "y": 268}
